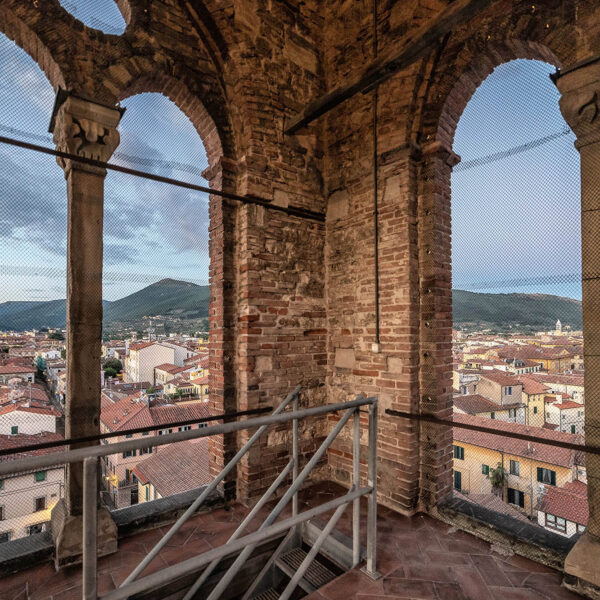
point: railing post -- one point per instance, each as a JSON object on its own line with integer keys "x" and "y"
{"x": 356, "y": 485}
{"x": 371, "y": 568}
{"x": 90, "y": 528}
{"x": 295, "y": 457}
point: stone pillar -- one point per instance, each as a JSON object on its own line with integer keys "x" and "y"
{"x": 88, "y": 130}
{"x": 435, "y": 322}
{"x": 580, "y": 106}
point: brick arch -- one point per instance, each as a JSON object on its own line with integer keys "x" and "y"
{"x": 476, "y": 70}
{"x": 213, "y": 132}
{"x": 17, "y": 30}
{"x": 221, "y": 174}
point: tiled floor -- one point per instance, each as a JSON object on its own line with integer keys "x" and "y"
{"x": 419, "y": 558}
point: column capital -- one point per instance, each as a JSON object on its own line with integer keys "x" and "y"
{"x": 579, "y": 86}
{"x": 84, "y": 128}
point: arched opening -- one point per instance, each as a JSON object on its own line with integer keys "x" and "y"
{"x": 100, "y": 14}
{"x": 156, "y": 301}
{"x": 516, "y": 292}
{"x": 33, "y": 233}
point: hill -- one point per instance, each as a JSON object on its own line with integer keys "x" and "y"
{"x": 499, "y": 311}
{"x": 184, "y": 300}
{"x": 165, "y": 297}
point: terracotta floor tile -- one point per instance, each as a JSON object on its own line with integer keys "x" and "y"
{"x": 449, "y": 558}
{"x": 504, "y": 593}
{"x": 471, "y": 583}
{"x": 491, "y": 573}
{"x": 439, "y": 573}
{"x": 449, "y": 591}
{"x": 406, "y": 588}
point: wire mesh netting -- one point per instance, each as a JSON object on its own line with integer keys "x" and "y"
{"x": 517, "y": 338}
{"x": 155, "y": 295}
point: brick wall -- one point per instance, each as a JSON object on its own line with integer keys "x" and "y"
{"x": 294, "y": 300}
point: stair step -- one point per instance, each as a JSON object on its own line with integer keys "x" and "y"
{"x": 317, "y": 574}
{"x": 269, "y": 594}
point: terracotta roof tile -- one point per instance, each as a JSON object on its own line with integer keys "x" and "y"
{"x": 569, "y": 502}
{"x": 542, "y": 452}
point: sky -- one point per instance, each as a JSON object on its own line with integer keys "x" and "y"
{"x": 515, "y": 221}
{"x": 151, "y": 230}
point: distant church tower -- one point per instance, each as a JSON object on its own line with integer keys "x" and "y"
{"x": 558, "y": 326}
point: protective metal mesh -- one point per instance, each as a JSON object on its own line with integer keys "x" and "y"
{"x": 155, "y": 292}
{"x": 518, "y": 340}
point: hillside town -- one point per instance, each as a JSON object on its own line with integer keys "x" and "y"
{"x": 530, "y": 384}
{"x": 523, "y": 384}
{"x": 146, "y": 383}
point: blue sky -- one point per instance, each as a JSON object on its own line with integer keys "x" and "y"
{"x": 516, "y": 222}
{"x": 151, "y": 230}
{"x": 517, "y": 218}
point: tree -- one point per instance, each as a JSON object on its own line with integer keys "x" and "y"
{"x": 63, "y": 353}
{"x": 57, "y": 335}
{"x": 114, "y": 364}
{"x": 498, "y": 479}
{"x": 110, "y": 372}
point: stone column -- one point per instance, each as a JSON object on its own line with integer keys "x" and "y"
{"x": 88, "y": 130}
{"x": 580, "y": 106}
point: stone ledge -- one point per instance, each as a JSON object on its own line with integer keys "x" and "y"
{"x": 150, "y": 515}
{"x": 23, "y": 553}
{"x": 520, "y": 537}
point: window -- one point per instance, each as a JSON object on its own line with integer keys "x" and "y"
{"x": 145, "y": 451}
{"x": 128, "y": 453}
{"x": 2, "y": 515}
{"x": 201, "y": 425}
{"x": 457, "y": 480}
{"x": 40, "y": 476}
{"x": 474, "y": 387}
{"x": 546, "y": 476}
{"x": 580, "y": 528}
{"x": 516, "y": 497}
{"x": 185, "y": 428}
{"x": 535, "y": 410}
{"x": 492, "y": 415}
{"x": 572, "y": 428}
{"x": 1, "y": 484}
{"x": 514, "y": 467}
{"x": 129, "y": 436}
{"x": 5, "y": 536}
{"x": 485, "y": 469}
{"x": 14, "y": 430}
{"x": 37, "y": 528}
{"x": 459, "y": 452}
{"x": 39, "y": 504}
{"x": 554, "y": 522}
{"x": 508, "y": 391}
{"x": 147, "y": 488}
{"x": 512, "y": 412}
{"x": 145, "y": 433}
{"x": 165, "y": 431}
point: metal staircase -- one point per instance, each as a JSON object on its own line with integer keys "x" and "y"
{"x": 309, "y": 555}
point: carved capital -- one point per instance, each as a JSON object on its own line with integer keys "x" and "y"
{"x": 580, "y": 101}
{"x": 85, "y": 129}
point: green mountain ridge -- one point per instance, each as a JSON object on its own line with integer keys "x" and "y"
{"x": 534, "y": 311}
{"x": 185, "y": 300}
{"x": 167, "y": 297}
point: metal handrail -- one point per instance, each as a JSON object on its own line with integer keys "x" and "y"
{"x": 80, "y": 454}
{"x": 90, "y": 455}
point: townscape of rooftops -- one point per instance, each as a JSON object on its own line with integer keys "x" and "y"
{"x": 524, "y": 383}
{"x": 148, "y": 382}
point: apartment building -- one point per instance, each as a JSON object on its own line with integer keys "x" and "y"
{"x": 528, "y": 466}
{"x": 27, "y": 498}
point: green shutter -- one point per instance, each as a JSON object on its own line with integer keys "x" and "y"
{"x": 540, "y": 474}
{"x": 553, "y": 477}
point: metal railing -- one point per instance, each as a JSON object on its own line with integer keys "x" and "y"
{"x": 268, "y": 529}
